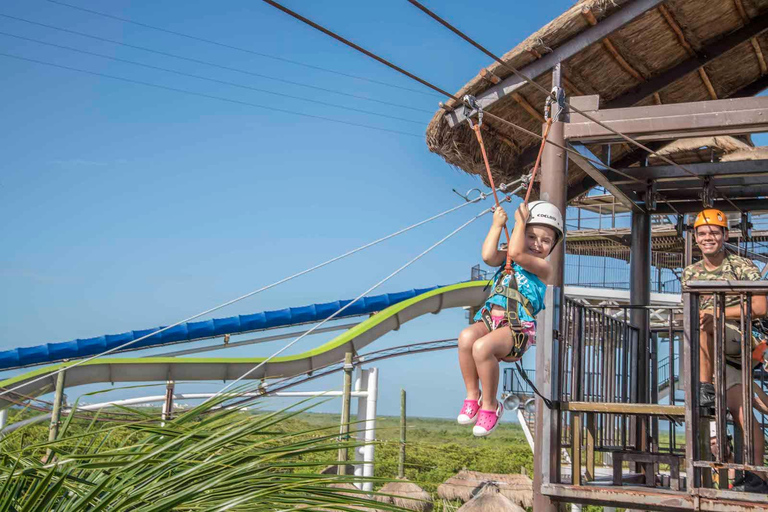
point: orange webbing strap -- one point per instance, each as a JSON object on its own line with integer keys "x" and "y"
{"x": 533, "y": 177}
{"x": 538, "y": 160}
{"x": 476, "y": 127}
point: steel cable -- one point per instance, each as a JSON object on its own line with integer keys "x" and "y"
{"x": 252, "y": 293}
{"x": 209, "y": 79}
{"x": 363, "y": 294}
{"x": 233, "y": 47}
{"x": 203, "y": 62}
{"x": 209, "y": 96}
{"x": 528, "y": 80}
{"x": 434, "y": 87}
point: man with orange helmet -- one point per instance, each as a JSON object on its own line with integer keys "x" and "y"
{"x": 711, "y": 234}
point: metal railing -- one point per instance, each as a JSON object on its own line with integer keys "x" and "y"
{"x": 703, "y": 458}
{"x": 596, "y": 367}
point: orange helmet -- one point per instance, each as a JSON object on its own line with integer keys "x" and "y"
{"x": 711, "y": 217}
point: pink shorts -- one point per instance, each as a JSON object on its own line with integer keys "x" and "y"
{"x": 528, "y": 328}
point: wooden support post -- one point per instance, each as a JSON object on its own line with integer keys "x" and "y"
{"x": 401, "y": 462}
{"x": 345, "y": 404}
{"x": 168, "y": 404}
{"x": 53, "y": 430}
{"x": 590, "y": 448}
{"x": 640, "y": 295}
{"x": 553, "y": 189}
{"x": 576, "y": 430}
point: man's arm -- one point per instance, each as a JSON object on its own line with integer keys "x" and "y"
{"x": 747, "y": 271}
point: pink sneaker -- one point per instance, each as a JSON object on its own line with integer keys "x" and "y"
{"x": 487, "y": 421}
{"x": 468, "y": 413}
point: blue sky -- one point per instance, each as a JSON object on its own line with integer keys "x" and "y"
{"x": 129, "y": 206}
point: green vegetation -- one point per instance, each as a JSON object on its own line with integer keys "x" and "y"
{"x": 438, "y": 449}
{"x": 206, "y": 458}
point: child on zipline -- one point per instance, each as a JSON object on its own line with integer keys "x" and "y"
{"x": 506, "y": 326}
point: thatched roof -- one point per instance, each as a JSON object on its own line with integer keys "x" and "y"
{"x": 759, "y": 153}
{"x": 700, "y": 149}
{"x": 465, "y": 485}
{"x": 406, "y": 495}
{"x": 649, "y": 45}
{"x": 490, "y": 499}
{"x": 333, "y": 469}
{"x": 354, "y": 493}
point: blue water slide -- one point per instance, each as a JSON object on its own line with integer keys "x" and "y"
{"x": 194, "y": 331}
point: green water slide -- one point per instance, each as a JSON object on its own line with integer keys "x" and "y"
{"x": 149, "y": 369}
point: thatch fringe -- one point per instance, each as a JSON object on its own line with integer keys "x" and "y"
{"x": 407, "y": 495}
{"x": 758, "y": 153}
{"x": 465, "y": 485}
{"x": 356, "y": 493}
{"x": 490, "y": 499}
{"x": 699, "y": 149}
{"x": 649, "y": 43}
{"x": 333, "y": 469}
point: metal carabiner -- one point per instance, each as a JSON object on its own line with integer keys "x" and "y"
{"x": 470, "y": 105}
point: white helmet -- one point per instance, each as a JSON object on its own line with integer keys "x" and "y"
{"x": 544, "y": 213}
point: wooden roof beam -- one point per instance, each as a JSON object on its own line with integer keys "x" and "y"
{"x": 599, "y": 175}
{"x": 665, "y": 122}
{"x": 707, "y": 54}
{"x": 513, "y": 83}
{"x": 492, "y": 131}
{"x": 760, "y": 56}
{"x": 688, "y": 48}
{"x": 740, "y": 8}
{"x": 755, "y": 43}
{"x": 694, "y": 206}
{"x": 488, "y": 76}
{"x": 608, "y": 45}
{"x": 663, "y": 173}
{"x": 528, "y": 107}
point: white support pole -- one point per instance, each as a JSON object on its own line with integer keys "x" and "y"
{"x": 361, "y": 385}
{"x": 3, "y": 418}
{"x": 526, "y": 430}
{"x": 370, "y": 427}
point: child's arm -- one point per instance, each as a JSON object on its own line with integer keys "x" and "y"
{"x": 492, "y": 256}
{"x": 539, "y": 266}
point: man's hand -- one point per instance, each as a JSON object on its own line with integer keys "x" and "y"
{"x": 707, "y": 320}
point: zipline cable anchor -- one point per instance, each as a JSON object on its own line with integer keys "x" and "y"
{"x": 470, "y": 106}
{"x": 481, "y": 195}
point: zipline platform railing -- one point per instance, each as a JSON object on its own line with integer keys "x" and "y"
{"x": 708, "y": 464}
{"x": 616, "y": 406}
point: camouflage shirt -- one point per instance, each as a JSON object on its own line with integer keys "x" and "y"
{"x": 733, "y": 268}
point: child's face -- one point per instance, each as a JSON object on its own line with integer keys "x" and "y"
{"x": 539, "y": 240}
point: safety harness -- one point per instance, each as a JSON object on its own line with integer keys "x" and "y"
{"x": 514, "y": 297}
{"x": 511, "y": 292}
